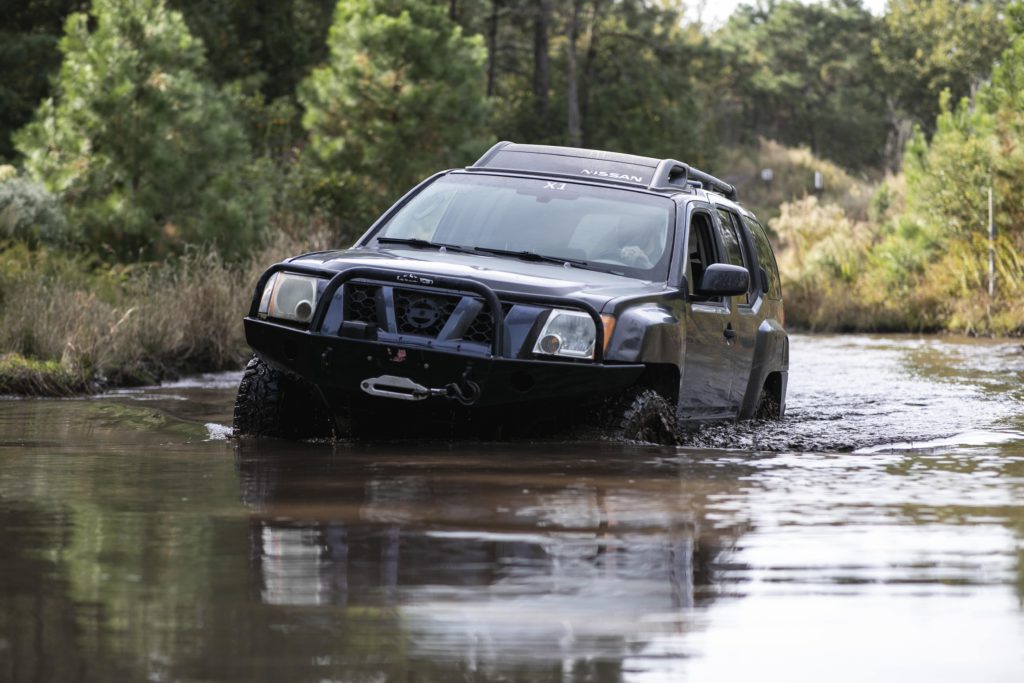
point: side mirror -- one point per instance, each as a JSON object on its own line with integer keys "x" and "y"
{"x": 722, "y": 279}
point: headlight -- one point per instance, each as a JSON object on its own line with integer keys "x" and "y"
{"x": 287, "y": 296}
{"x": 567, "y": 333}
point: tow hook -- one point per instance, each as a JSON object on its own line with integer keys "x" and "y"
{"x": 465, "y": 391}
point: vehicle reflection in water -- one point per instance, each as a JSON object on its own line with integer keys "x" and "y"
{"x": 567, "y": 562}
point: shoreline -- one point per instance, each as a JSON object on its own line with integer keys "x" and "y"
{"x": 26, "y": 378}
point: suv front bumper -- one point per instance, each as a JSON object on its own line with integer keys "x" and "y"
{"x": 339, "y": 366}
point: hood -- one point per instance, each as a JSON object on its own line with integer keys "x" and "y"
{"x": 500, "y": 273}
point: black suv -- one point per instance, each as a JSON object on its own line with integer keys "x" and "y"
{"x": 539, "y": 279}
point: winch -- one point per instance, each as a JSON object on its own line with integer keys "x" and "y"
{"x": 465, "y": 391}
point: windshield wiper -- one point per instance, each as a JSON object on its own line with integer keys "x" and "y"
{"x": 425, "y": 244}
{"x": 524, "y": 255}
{"x": 532, "y": 256}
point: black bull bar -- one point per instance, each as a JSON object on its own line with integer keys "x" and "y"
{"x": 338, "y": 364}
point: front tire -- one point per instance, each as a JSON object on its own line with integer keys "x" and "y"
{"x": 769, "y": 403}
{"x": 643, "y": 415}
{"x": 273, "y": 403}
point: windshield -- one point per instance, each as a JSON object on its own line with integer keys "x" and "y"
{"x": 593, "y": 227}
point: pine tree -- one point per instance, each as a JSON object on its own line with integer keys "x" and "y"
{"x": 401, "y": 96}
{"x": 144, "y": 153}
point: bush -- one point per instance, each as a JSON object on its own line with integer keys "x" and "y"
{"x": 822, "y": 253}
{"x": 31, "y": 214}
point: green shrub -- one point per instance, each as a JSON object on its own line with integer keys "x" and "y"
{"x": 400, "y": 97}
{"x": 31, "y": 214}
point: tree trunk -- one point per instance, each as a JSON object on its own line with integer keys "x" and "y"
{"x": 541, "y": 83}
{"x": 453, "y": 10}
{"x": 588, "y": 69}
{"x": 574, "y": 131}
{"x": 492, "y": 46}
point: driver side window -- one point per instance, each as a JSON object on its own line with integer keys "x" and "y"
{"x": 701, "y": 254}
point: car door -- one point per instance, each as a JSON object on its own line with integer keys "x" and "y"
{"x": 705, "y": 391}
{"x": 745, "y": 308}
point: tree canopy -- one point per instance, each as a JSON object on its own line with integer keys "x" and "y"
{"x": 144, "y": 152}
{"x": 401, "y": 95}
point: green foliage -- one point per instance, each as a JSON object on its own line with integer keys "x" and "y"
{"x": 400, "y": 97}
{"x": 20, "y": 375}
{"x": 31, "y": 214}
{"x": 640, "y": 77}
{"x": 928, "y": 46}
{"x": 144, "y": 153}
{"x": 641, "y": 94}
{"x": 804, "y": 74}
{"x": 269, "y": 45}
{"x": 947, "y": 180}
{"x": 927, "y": 263}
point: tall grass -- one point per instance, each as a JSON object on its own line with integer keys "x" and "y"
{"x": 893, "y": 274}
{"x": 792, "y": 179}
{"x": 135, "y": 324}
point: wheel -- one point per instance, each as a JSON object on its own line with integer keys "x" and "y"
{"x": 643, "y": 415}
{"x": 767, "y": 406}
{"x": 272, "y": 403}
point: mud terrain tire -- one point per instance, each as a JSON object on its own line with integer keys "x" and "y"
{"x": 643, "y": 415}
{"x": 272, "y": 403}
{"x": 767, "y": 407}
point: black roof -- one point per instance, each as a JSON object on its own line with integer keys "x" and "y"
{"x": 615, "y": 167}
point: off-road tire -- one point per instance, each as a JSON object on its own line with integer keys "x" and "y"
{"x": 642, "y": 415}
{"x": 767, "y": 406}
{"x": 273, "y": 403}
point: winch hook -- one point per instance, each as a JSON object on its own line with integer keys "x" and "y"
{"x": 467, "y": 392}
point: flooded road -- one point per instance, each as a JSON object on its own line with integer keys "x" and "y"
{"x": 875, "y": 534}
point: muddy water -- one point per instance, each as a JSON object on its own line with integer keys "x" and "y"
{"x": 876, "y": 534}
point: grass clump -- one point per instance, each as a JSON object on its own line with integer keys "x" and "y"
{"x": 20, "y": 375}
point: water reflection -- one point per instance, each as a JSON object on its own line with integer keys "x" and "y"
{"x": 572, "y": 560}
{"x": 135, "y": 548}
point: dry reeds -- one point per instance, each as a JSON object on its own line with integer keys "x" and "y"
{"x": 83, "y": 325}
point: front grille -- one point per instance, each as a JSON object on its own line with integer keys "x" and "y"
{"x": 422, "y": 314}
{"x": 417, "y": 312}
{"x": 361, "y": 304}
{"x": 481, "y": 330}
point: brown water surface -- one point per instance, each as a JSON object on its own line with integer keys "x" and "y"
{"x": 875, "y": 534}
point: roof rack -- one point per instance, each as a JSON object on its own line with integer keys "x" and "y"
{"x": 609, "y": 167}
{"x": 673, "y": 175}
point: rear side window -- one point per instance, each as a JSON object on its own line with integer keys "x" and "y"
{"x": 769, "y": 269}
